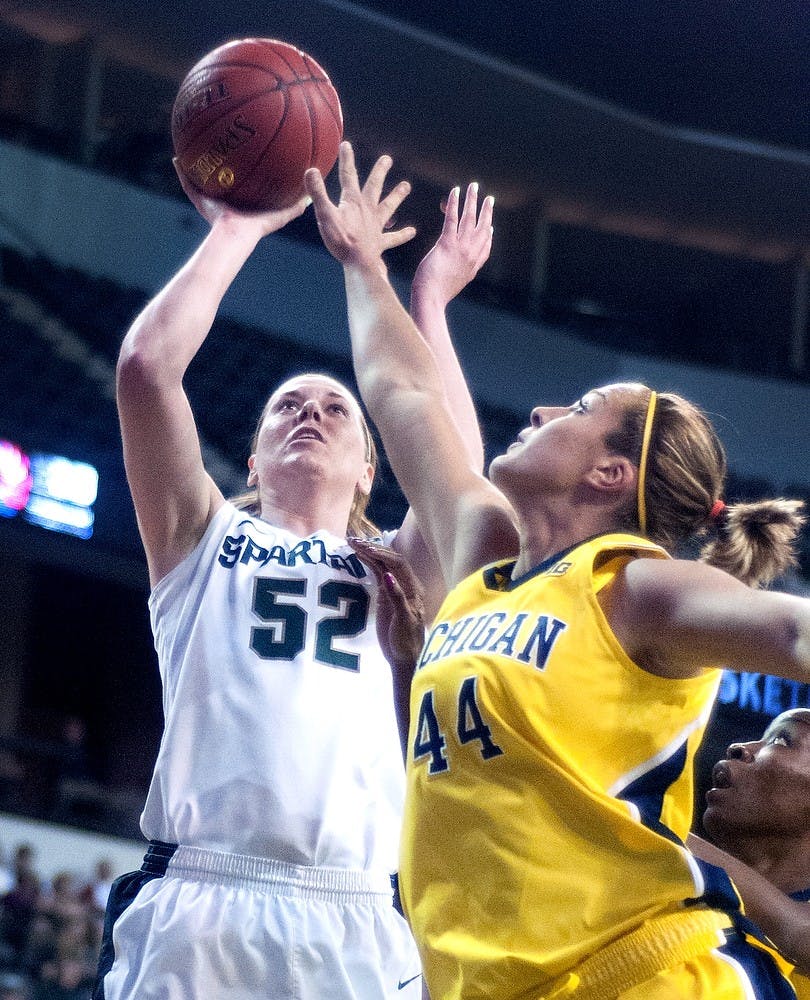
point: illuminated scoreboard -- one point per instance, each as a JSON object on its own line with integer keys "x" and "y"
{"x": 51, "y": 491}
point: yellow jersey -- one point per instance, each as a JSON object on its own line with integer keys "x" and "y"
{"x": 800, "y": 981}
{"x": 550, "y": 779}
{"x": 801, "y": 984}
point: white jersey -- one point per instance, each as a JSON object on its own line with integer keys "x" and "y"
{"x": 280, "y": 736}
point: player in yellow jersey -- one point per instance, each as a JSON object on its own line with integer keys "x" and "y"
{"x": 758, "y": 817}
{"x": 569, "y": 674}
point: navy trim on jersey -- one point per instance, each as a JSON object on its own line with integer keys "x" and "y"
{"x": 396, "y": 898}
{"x": 761, "y": 969}
{"x": 720, "y": 894}
{"x": 123, "y": 892}
{"x": 500, "y": 577}
{"x": 647, "y": 792}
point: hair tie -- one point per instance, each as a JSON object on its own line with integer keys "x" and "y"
{"x": 717, "y": 509}
{"x": 642, "y": 462}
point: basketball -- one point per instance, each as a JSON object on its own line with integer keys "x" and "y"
{"x": 250, "y": 118}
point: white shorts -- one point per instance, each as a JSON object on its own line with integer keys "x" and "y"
{"x": 229, "y": 927}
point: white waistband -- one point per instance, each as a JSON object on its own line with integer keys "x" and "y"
{"x": 278, "y": 877}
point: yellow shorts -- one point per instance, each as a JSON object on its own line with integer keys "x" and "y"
{"x": 685, "y": 955}
{"x": 736, "y": 971}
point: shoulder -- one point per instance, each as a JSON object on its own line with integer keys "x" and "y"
{"x": 650, "y": 581}
{"x": 488, "y": 534}
{"x": 675, "y": 617}
{"x": 648, "y": 593}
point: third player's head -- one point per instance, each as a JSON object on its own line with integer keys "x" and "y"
{"x": 761, "y": 789}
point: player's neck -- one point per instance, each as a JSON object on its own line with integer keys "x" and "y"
{"x": 547, "y": 532}
{"x": 785, "y": 862}
{"x": 303, "y": 517}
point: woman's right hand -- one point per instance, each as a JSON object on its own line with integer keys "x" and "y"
{"x": 461, "y": 250}
{"x": 212, "y": 210}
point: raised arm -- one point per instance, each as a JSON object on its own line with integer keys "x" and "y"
{"x": 465, "y": 520}
{"x": 449, "y": 266}
{"x": 174, "y": 497}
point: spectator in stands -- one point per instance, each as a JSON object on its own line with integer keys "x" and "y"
{"x": 758, "y": 817}
{"x": 570, "y": 672}
{"x": 96, "y": 892}
{"x": 13, "y": 987}
{"x": 19, "y": 907}
{"x": 66, "y": 978}
{"x": 60, "y": 902}
{"x": 39, "y": 947}
{"x": 24, "y": 856}
{"x": 279, "y": 774}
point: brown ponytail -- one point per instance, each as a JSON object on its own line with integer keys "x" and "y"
{"x": 685, "y": 477}
{"x": 755, "y": 541}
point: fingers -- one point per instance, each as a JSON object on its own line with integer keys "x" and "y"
{"x": 377, "y": 555}
{"x": 382, "y": 559}
{"x": 297, "y": 208}
{"x": 450, "y": 224}
{"x": 394, "y": 199}
{"x": 315, "y": 187}
{"x": 347, "y": 170}
{"x": 197, "y": 198}
{"x": 470, "y": 217}
{"x": 475, "y": 227}
{"x": 470, "y": 211}
{"x": 398, "y": 237}
{"x": 376, "y": 178}
{"x": 486, "y": 213}
{"x": 408, "y": 608}
{"x": 395, "y": 592}
{"x": 485, "y": 229}
{"x": 373, "y": 555}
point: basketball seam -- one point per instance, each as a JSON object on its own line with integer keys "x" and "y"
{"x": 247, "y": 176}
{"x": 337, "y": 119}
{"x": 234, "y": 108}
{"x": 298, "y": 80}
{"x": 302, "y": 70}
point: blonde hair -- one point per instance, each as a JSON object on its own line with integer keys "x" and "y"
{"x": 359, "y": 525}
{"x": 685, "y": 476}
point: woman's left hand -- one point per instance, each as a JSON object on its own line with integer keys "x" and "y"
{"x": 356, "y": 230}
{"x": 401, "y": 610}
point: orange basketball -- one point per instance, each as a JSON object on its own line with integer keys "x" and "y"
{"x": 250, "y": 118}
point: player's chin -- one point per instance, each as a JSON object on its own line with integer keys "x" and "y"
{"x": 715, "y": 817}
{"x": 500, "y": 466}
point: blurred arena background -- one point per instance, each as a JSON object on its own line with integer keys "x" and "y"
{"x": 651, "y": 173}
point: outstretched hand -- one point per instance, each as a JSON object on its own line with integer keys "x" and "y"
{"x": 401, "y": 606}
{"x": 211, "y": 210}
{"x": 355, "y": 231}
{"x": 461, "y": 249}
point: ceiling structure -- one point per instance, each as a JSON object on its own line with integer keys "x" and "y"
{"x": 685, "y": 122}
{"x": 651, "y": 167}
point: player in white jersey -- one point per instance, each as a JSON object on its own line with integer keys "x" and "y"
{"x": 274, "y": 809}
